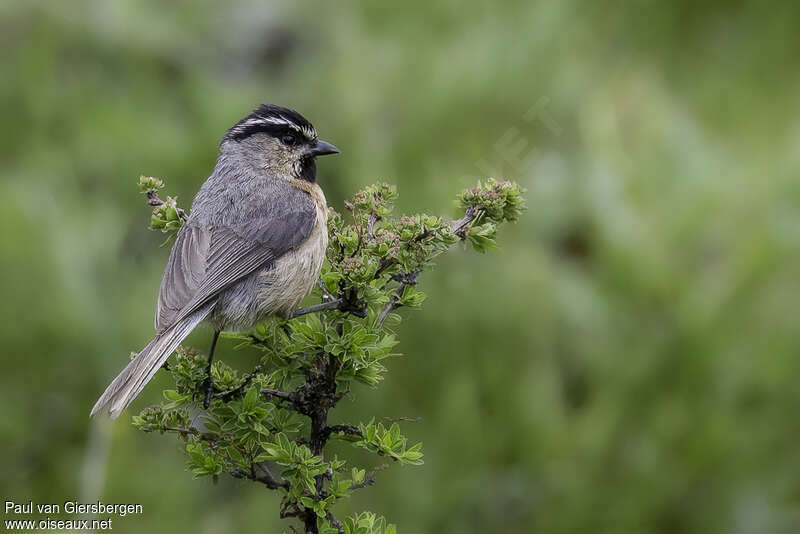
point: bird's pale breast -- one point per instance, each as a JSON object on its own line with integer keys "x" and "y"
{"x": 295, "y": 273}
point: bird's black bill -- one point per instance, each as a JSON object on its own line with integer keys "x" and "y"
{"x": 323, "y": 147}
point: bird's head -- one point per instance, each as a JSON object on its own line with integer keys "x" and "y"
{"x": 277, "y": 140}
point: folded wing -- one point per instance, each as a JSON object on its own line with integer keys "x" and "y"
{"x": 206, "y": 259}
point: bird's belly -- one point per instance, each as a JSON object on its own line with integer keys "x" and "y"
{"x": 276, "y": 290}
{"x": 282, "y": 288}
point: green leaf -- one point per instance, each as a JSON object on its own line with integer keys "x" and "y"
{"x": 250, "y": 399}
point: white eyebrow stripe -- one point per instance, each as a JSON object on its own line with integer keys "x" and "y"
{"x": 277, "y": 120}
{"x": 306, "y": 131}
{"x": 267, "y": 120}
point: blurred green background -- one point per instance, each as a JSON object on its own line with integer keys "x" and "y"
{"x": 628, "y": 362}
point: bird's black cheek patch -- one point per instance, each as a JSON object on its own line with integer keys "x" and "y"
{"x": 308, "y": 169}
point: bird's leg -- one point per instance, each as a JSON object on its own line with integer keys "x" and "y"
{"x": 209, "y": 383}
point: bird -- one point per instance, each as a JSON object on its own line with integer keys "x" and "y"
{"x": 252, "y": 246}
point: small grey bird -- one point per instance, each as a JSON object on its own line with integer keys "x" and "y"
{"x": 252, "y": 246}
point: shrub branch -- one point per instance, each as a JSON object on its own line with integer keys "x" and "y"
{"x": 270, "y": 425}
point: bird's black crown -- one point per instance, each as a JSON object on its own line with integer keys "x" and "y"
{"x": 272, "y": 120}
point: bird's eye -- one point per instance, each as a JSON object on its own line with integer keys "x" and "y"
{"x": 288, "y": 140}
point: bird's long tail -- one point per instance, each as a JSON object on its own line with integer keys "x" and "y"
{"x": 130, "y": 382}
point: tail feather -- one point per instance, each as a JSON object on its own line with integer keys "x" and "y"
{"x": 132, "y": 380}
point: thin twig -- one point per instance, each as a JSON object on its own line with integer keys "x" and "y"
{"x": 373, "y": 218}
{"x": 369, "y": 478}
{"x": 346, "y": 429}
{"x": 277, "y": 394}
{"x": 398, "y": 419}
{"x": 279, "y": 483}
{"x": 392, "y": 305}
{"x": 190, "y": 430}
{"x": 461, "y": 226}
{"x": 423, "y": 236}
{"x": 335, "y": 522}
{"x": 268, "y": 479}
{"x": 290, "y": 510}
{"x": 407, "y": 279}
{"x": 384, "y": 264}
{"x": 335, "y": 304}
{"x": 238, "y": 391}
{"x": 359, "y": 309}
{"x": 155, "y": 201}
{"x": 326, "y": 295}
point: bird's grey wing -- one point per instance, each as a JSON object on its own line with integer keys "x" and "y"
{"x": 206, "y": 260}
{"x": 185, "y": 272}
